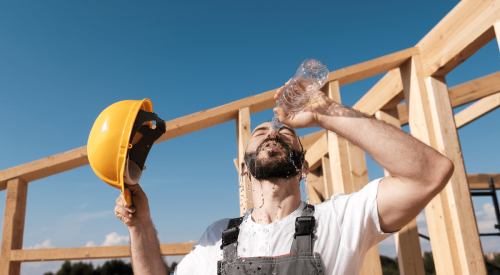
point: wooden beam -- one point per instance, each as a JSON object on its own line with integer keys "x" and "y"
{"x": 316, "y": 152}
{"x": 458, "y": 198}
{"x": 480, "y": 181}
{"x": 89, "y": 253}
{"x": 327, "y": 178}
{"x": 242, "y": 135}
{"x": 421, "y": 125}
{"x": 477, "y": 110}
{"x": 314, "y": 195}
{"x": 475, "y": 89}
{"x": 13, "y": 225}
{"x": 308, "y": 140}
{"x": 337, "y": 151}
{"x": 407, "y": 239}
{"x": 461, "y": 33}
{"x": 46, "y": 167}
{"x": 315, "y": 179}
{"x": 372, "y": 67}
{"x": 381, "y": 94}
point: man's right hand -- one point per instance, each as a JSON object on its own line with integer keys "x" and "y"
{"x": 133, "y": 215}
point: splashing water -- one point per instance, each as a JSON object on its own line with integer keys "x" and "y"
{"x": 306, "y": 185}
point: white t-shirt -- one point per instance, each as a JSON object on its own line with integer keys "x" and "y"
{"x": 346, "y": 227}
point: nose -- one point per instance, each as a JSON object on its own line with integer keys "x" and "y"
{"x": 272, "y": 133}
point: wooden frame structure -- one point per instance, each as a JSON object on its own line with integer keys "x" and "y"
{"x": 416, "y": 75}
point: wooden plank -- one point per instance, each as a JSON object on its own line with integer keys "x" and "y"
{"x": 337, "y": 151}
{"x": 13, "y": 225}
{"x": 314, "y": 195}
{"x": 386, "y": 89}
{"x": 461, "y": 33}
{"x": 475, "y": 89}
{"x": 88, "y": 253}
{"x": 316, "y": 152}
{"x": 477, "y": 110}
{"x": 327, "y": 178}
{"x": 372, "y": 67}
{"x": 480, "y": 181}
{"x": 308, "y": 140}
{"x": 458, "y": 194}
{"x": 243, "y": 132}
{"x": 421, "y": 125}
{"x": 46, "y": 167}
{"x": 407, "y": 239}
{"x": 315, "y": 179}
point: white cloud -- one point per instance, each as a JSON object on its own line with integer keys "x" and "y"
{"x": 90, "y": 244}
{"x": 45, "y": 244}
{"x": 116, "y": 239}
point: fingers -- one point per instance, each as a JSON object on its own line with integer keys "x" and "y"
{"x": 278, "y": 93}
{"x": 282, "y": 115}
{"x": 120, "y": 202}
{"x": 135, "y": 189}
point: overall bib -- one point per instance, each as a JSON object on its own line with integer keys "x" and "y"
{"x": 301, "y": 260}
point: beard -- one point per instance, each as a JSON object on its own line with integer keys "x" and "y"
{"x": 279, "y": 164}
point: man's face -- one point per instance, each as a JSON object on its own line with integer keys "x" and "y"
{"x": 273, "y": 154}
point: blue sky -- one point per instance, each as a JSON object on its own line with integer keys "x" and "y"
{"x": 62, "y": 63}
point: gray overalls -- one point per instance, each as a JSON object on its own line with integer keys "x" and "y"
{"x": 301, "y": 259}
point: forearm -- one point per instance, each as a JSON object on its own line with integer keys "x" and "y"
{"x": 145, "y": 250}
{"x": 400, "y": 154}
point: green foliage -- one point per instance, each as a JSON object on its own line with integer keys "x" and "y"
{"x": 113, "y": 267}
{"x": 496, "y": 262}
{"x": 389, "y": 266}
{"x": 429, "y": 264}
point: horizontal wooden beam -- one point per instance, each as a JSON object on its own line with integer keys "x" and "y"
{"x": 477, "y": 110}
{"x": 46, "y": 167}
{"x": 480, "y": 181}
{"x": 475, "y": 89}
{"x": 464, "y": 93}
{"x": 372, "y": 67}
{"x": 460, "y": 34}
{"x": 88, "y": 253}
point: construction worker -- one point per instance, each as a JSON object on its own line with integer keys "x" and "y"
{"x": 283, "y": 235}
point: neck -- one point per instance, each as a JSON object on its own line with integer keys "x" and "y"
{"x": 274, "y": 199}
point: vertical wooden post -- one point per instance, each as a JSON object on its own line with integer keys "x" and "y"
{"x": 407, "y": 239}
{"x": 243, "y": 132}
{"x": 348, "y": 163}
{"x": 496, "y": 26}
{"x": 13, "y": 225}
{"x": 459, "y": 202}
{"x": 337, "y": 150}
{"x": 327, "y": 177}
{"x": 446, "y": 248}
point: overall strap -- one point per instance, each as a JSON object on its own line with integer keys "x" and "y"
{"x": 230, "y": 239}
{"x": 304, "y": 227}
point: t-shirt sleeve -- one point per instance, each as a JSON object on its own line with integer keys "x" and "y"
{"x": 203, "y": 258}
{"x": 357, "y": 217}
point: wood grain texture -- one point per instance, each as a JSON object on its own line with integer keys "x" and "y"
{"x": 477, "y": 110}
{"x": 243, "y": 132}
{"x": 13, "y": 225}
{"x": 46, "y": 167}
{"x": 87, "y": 253}
{"x": 480, "y": 181}
{"x": 459, "y": 201}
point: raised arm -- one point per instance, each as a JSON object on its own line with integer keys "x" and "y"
{"x": 144, "y": 246}
{"x": 418, "y": 172}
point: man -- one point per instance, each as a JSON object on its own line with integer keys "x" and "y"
{"x": 337, "y": 233}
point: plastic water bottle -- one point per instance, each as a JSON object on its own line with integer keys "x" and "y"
{"x": 309, "y": 78}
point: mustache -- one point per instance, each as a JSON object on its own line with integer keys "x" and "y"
{"x": 275, "y": 139}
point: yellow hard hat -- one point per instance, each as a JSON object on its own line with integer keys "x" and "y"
{"x": 120, "y": 141}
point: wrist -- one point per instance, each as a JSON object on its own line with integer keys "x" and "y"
{"x": 141, "y": 226}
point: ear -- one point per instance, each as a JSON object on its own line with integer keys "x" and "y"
{"x": 305, "y": 167}
{"x": 243, "y": 168}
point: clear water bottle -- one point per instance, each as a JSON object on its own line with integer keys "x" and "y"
{"x": 309, "y": 78}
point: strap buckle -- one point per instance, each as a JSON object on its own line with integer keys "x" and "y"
{"x": 230, "y": 236}
{"x": 304, "y": 226}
